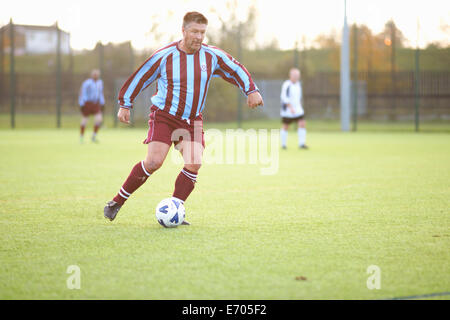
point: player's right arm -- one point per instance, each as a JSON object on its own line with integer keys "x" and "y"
{"x": 285, "y": 98}
{"x": 82, "y": 96}
{"x": 124, "y": 115}
{"x": 140, "y": 79}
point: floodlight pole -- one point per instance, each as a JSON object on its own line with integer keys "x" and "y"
{"x": 345, "y": 75}
{"x": 355, "y": 77}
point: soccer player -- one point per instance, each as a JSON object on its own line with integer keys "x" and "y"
{"x": 184, "y": 70}
{"x": 292, "y": 110}
{"x": 92, "y": 102}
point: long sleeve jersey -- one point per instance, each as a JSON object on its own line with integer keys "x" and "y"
{"x": 291, "y": 93}
{"x": 92, "y": 91}
{"x": 183, "y": 79}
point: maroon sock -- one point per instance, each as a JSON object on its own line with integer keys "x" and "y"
{"x": 137, "y": 178}
{"x": 184, "y": 184}
{"x": 96, "y": 127}
{"x": 82, "y": 130}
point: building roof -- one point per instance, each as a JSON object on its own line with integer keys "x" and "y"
{"x": 33, "y": 27}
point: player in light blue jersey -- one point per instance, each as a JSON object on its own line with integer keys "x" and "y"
{"x": 92, "y": 102}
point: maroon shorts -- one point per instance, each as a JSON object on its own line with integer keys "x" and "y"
{"x": 166, "y": 128}
{"x": 90, "y": 108}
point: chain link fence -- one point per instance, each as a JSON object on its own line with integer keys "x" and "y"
{"x": 43, "y": 87}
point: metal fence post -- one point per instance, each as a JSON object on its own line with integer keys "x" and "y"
{"x": 304, "y": 56}
{"x": 345, "y": 76}
{"x": 416, "y": 90}
{"x": 101, "y": 58}
{"x": 73, "y": 99}
{"x": 417, "y": 79}
{"x": 2, "y": 61}
{"x": 239, "y": 54}
{"x": 58, "y": 76}
{"x": 12, "y": 76}
{"x": 393, "y": 70}
{"x": 132, "y": 111}
{"x": 115, "y": 111}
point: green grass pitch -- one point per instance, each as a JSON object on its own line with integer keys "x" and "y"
{"x": 351, "y": 201}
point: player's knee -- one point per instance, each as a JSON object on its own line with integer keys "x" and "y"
{"x": 193, "y": 167}
{"x": 152, "y": 165}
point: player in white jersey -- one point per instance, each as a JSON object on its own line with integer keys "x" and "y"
{"x": 291, "y": 109}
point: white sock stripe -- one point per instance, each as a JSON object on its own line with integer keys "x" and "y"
{"x": 143, "y": 168}
{"x": 190, "y": 175}
{"x": 123, "y": 190}
{"x": 178, "y": 199}
{"x": 122, "y": 195}
{"x": 193, "y": 179}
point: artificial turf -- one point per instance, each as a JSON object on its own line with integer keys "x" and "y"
{"x": 310, "y": 231}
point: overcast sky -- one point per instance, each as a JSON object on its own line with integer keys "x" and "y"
{"x": 89, "y": 21}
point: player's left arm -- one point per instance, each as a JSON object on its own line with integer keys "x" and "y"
{"x": 82, "y": 95}
{"x": 254, "y": 99}
{"x": 234, "y": 72}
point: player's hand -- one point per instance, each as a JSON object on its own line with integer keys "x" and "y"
{"x": 291, "y": 108}
{"x": 124, "y": 115}
{"x": 254, "y": 99}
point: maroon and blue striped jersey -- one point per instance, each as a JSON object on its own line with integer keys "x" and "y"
{"x": 183, "y": 79}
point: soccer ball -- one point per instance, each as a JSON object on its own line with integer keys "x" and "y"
{"x": 170, "y": 213}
